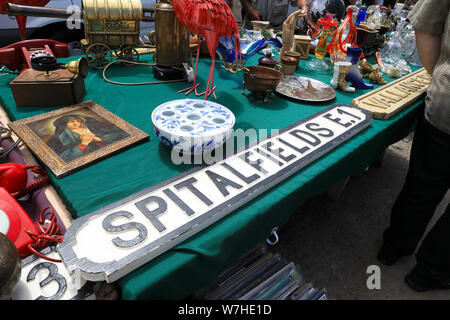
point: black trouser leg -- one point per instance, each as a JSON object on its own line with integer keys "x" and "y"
{"x": 435, "y": 249}
{"x": 427, "y": 181}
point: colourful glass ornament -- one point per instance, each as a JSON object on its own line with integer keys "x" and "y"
{"x": 338, "y": 46}
{"x": 227, "y": 52}
{"x": 326, "y": 23}
{"x": 361, "y": 16}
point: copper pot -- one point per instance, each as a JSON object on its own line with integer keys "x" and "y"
{"x": 261, "y": 80}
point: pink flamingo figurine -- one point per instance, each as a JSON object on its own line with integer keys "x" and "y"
{"x": 212, "y": 19}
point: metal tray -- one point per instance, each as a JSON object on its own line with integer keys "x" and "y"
{"x": 305, "y": 89}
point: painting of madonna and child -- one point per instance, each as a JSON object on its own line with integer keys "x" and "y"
{"x": 70, "y": 138}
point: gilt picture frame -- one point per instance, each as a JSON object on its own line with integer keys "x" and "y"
{"x": 71, "y": 138}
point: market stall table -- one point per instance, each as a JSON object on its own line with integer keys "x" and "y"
{"x": 197, "y": 261}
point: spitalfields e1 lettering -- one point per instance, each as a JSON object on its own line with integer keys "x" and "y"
{"x": 255, "y": 157}
{"x": 162, "y": 216}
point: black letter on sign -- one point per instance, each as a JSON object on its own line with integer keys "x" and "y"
{"x": 130, "y": 225}
{"x": 337, "y": 120}
{"x": 247, "y": 180}
{"x": 302, "y": 150}
{"x": 268, "y": 156}
{"x": 328, "y": 132}
{"x": 53, "y": 275}
{"x": 254, "y": 164}
{"x": 268, "y": 147}
{"x": 222, "y": 182}
{"x": 180, "y": 203}
{"x": 314, "y": 142}
{"x": 152, "y": 214}
{"x": 188, "y": 184}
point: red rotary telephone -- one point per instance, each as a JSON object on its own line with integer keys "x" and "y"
{"x": 15, "y": 222}
{"x": 17, "y": 56}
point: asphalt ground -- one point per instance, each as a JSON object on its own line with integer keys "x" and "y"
{"x": 334, "y": 241}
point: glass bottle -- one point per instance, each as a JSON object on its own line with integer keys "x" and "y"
{"x": 408, "y": 44}
{"x": 392, "y": 50}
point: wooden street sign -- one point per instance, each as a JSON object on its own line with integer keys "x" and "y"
{"x": 115, "y": 240}
{"x": 389, "y": 99}
{"x": 45, "y": 280}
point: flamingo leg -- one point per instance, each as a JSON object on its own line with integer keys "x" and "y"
{"x": 195, "y": 85}
{"x": 212, "y": 40}
{"x": 209, "y": 85}
{"x": 211, "y": 75}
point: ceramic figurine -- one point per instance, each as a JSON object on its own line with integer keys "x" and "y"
{"x": 372, "y": 73}
{"x": 340, "y": 71}
{"x": 353, "y": 75}
{"x": 288, "y": 31}
{"x": 10, "y": 267}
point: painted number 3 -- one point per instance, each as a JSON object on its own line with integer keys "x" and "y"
{"x": 52, "y": 276}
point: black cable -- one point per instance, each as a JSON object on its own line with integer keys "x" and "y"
{"x": 4, "y": 153}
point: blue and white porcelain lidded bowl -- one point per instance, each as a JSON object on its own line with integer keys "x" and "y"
{"x": 192, "y": 125}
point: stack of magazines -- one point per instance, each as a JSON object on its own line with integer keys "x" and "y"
{"x": 261, "y": 275}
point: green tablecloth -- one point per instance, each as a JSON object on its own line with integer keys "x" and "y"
{"x": 195, "y": 262}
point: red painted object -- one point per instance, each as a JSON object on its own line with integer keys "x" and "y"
{"x": 337, "y": 43}
{"x": 14, "y": 222}
{"x": 16, "y": 56}
{"x": 22, "y": 20}
{"x": 13, "y": 177}
{"x": 212, "y": 19}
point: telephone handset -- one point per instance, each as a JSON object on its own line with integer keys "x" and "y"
{"x": 17, "y": 56}
{"x": 15, "y": 223}
{"x": 14, "y": 176}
